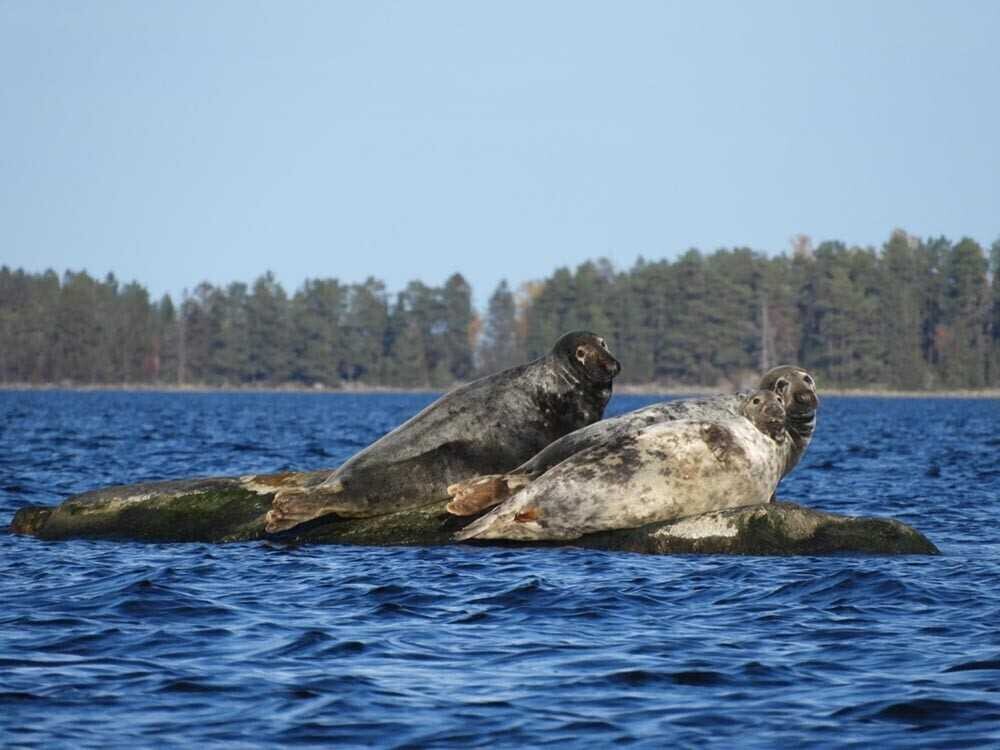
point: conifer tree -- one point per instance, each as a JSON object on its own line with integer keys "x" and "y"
{"x": 498, "y": 348}
{"x": 268, "y": 326}
{"x": 406, "y": 360}
{"x": 966, "y": 300}
{"x": 135, "y": 333}
{"x": 993, "y": 379}
{"x": 457, "y": 320}
{"x": 164, "y": 345}
{"x": 317, "y": 318}
{"x": 900, "y": 312}
{"x": 365, "y": 327}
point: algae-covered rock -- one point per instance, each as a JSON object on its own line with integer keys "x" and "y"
{"x": 214, "y": 509}
{"x": 226, "y": 509}
{"x": 779, "y": 528}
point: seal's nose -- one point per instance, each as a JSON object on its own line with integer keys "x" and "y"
{"x": 614, "y": 367}
{"x": 775, "y": 412}
{"x": 807, "y": 398}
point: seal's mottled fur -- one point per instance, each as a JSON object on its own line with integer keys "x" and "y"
{"x": 795, "y": 385}
{"x": 651, "y": 473}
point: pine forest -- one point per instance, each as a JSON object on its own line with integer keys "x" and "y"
{"x": 915, "y": 314}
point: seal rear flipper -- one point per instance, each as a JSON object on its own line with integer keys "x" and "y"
{"x": 292, "y": 507}
{"x": 475, "y": 495}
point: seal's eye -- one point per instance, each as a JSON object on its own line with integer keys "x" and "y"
{"x": 781, "y": 385}
{"x": 581, "y": 353}
{"x": 756, "y": 401}
{"x": 603, "y": 343}
{"x": 807, "y": 380}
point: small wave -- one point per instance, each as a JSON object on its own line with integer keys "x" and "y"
{"x": 310, "y": 642}
{"x": 19, "y": 696}
{"x": 530, "y": 592}
{"x": 193, "y": 686}
{"x": 470, "y": 618}
{"x": 924, "y": 712}
{"x": 845, "y": 588}
{"x": 863, "y": 451}
{"x": 760, "y": 674}
{"x": 345, "y": 648}
{"x": 699, "y": 677}
{"x": 970, "y": 666}
{"x": 638, "y": 677}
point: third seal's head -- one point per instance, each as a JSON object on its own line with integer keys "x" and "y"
{"x": 795, "y": 385}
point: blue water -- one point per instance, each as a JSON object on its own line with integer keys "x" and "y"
{"x": 130, "y": 645}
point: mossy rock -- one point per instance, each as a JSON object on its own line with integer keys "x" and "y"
{"x": 779, "y": 528}
{"x": 226, "y": 509}
{"x": 213, "y": 509}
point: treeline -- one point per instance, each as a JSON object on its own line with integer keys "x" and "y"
{"x": 914, "y": 314}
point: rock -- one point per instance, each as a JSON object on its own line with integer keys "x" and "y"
{"x": 214, "y": 509}
{"x": 779, "y": 528}
{"x": 228, "y": 509}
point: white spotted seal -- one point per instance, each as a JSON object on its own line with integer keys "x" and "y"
{"x": 490, "y": 425}
{"x": 796, "y": 386}
{"x": 657, "y": 472}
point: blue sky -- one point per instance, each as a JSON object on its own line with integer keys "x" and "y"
{"x": 177, "y": 142}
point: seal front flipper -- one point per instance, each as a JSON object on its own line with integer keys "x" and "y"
{"x": 478, "y": 494}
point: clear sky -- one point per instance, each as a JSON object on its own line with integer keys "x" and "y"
{"x": 174, "y": 142}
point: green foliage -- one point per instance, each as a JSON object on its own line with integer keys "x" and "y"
{"x": 900, "y": 311}
{"x": 993, "y": 363}
{"x": 406, "y": 364}
{"x": 268, "y": 327}
{"x": 965, "y": 315}
{"x": 499, "y": 347}
{"x": 455, "y": 322}
{"x": 316, "y": 316}
{"x": 914, "y": 314}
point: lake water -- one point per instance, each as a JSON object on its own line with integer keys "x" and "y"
{"x": 110, "y": 645}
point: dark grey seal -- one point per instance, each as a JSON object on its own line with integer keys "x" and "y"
{"x": 490, "y": 425}
{"x": 796, "y": 387}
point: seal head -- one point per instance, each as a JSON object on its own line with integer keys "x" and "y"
{"x": 796, "y": 386}
{"x": 586, "y": 357}
{"x": 766, "y": 409}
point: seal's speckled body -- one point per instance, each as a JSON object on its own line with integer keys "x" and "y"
{"x": 490, "y": 425}
{"x": 656, "y": 472}
{"x": 795, "y": 385}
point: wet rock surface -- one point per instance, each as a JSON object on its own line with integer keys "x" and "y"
{"x": 227, "y": 509}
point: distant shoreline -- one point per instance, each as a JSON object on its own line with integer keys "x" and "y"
{"x": 650, "y": 389}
